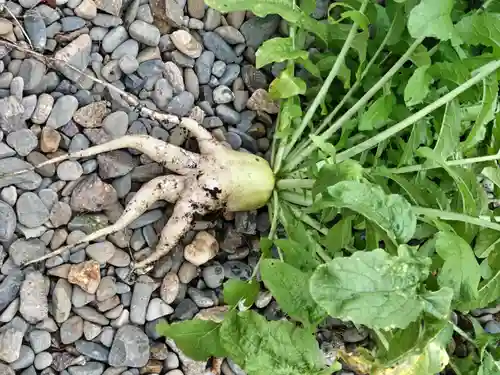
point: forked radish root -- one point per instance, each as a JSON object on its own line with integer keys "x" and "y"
{"x": 216, "y": 179}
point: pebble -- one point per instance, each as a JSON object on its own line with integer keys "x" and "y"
{"x": 230, "y": 34}
{"x": 62, "y": 111}
{"x": 223, "y": 95}
{"x": 76, "y": 54}
{"x": 92, "y": 350}
{"x": 230, "y": 75}
{"x": 203, "y": 248}
{"x": 92, "y": 195}
{"x": 91, "y": 368}
{"x": 170, "y": 288}
{"x": 11, "y": 311}
{"x": 212, "y": 19}
{"x": 130, "y": 348}
{"x": 101, "y": 251}
{"x": 256, "y": 30}
{"x": 221, "y": 49}
{"x": 115, "y": 164}
{"x": 128, "y": 64}
{"x": 145, "y": 33}
{"x": 109, "y": 6}
{"x": 11, "y": 339}
{"x": 43, "y": 360}
{"x": 227, "y": 114}
{"x": 186, "y": 43}
{"x": 235, "y": 269}
{"x": 22, "y": 141}
{"x": 32, "y": 72}
{"x": 71, "y": 330}
{"x": 196, "y": 8}
{"x": 33, "y": 304}
{"x": 213, "y": 275}
{"x": 129, "y": 47}
{"x": 185, "y": 310}
{"x": 492, "y": 327}
{"x": 218, "y": 68}
{"x": 36, "y": 29}
{"x": 174, "y": 77}
{"x": 7, "y": 221}
{"x": 181, "y": 104}
{"x": 72, "y": 23}
{"x": 61, "y": 300}
{"x": 31, "y": 212}
{"x": 158, "y": 308}
{"x": 69, "y": 170}
{"x": 26, "y": 358}
{"x": 39, "y": 340}
{"x": 203, "y": 66}
{"x": 87, "y": 9}
{"x": 114, "y": 38}
{"x": 91, "y": 115}
{"x": 143, "y": 289}
{"x": 43, "y": 109}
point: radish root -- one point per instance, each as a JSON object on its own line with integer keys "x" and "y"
{"x": 218, "y": 178}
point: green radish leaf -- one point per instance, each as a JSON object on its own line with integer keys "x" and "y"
{"x": 198, "y": 339}
{"x": 488, "y": 292}
{"x": 330, "y": 174}
{"x": 270, "y": 347}
{"x": 308, "y": 6}
{"x": 290, "y": 288}
{"x": 452, "y": 74}
{"x": 489, "y": 366}
{"x": 287, "y": 9}
{"x": 372, "y": 288}
{"x": 417, "y": 88}
{"x": 419, "y": 136}
{"x": 277, "y": 50}
{"x": 492, "y": 174}
{"x": 295, "y": 255}
{"x": 325, "y": 64}
{"x": 486, "y": 241}
{"x": 432, "y": 18}
{"x": 377, "y": 115}
{"x": 313, "y": 69}
{"x": 481, "y": 28}
{"x": 324, "y": 146}
{"x": 286, "y": 86}
{"x": 236, "y": 291}
{"x": 487, "y": 113}
{"x": 339, "y": 236}
{"x": 392, "y": 212}
{"x": 460, "y": 270}
{"x": 438, "y": 302}
{"x": 449, "y": 134}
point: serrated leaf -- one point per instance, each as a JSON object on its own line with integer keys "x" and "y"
{"x": 198, "y": 339}
{"x": 238, "y": 291}
{"x": 480, "y": 28}
{"x": 460, "y": 270}
{"x": 277, "y": 50}
{"x": 488, "y": 107}
{"x": 392, "y": 212}
{"x": 289, "y": 286}
{"x": 418, "y": 136}
{"x": 286, "y": 86}
{"x": 285, "y": 8}
{"x": 432, "y": 18}
{"x": 263, "y": 347}
{"x": 486, "y": 241}
{"x": 371, "y": 288}
{"x": 377, "y": 115}
{"x": 296, "y": 255}
{"x": 488, "y": 292}
{"x": 449, "y": 133}
{"x": 417, "y": 88}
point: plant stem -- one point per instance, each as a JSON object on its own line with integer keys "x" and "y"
{"x": 354, "y": 87}
{"x": 275, "y": 209}
{"x": 485, "y": 70}
{"x": 299, "y": 199}
{"x": 355, "y": 108}
{"x": 299, "y": 214}
{"x": 326, "y": 85}
{"x": 451, "y": 163}
{"x": 453, "y": 216}
{"x": 291, "y": 183}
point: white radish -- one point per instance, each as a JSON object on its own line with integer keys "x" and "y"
{"x": 218, "y": 178}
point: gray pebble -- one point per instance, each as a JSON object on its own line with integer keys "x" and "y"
{"x": 23, "y": 141}
{"x": 43, "y": 360}
{"x": 39, "y": 340}
{"x": 227, "y": 114}
{"x": 72, "y": 23}
{"x": 31, "y": 212}
{"x": 62, "y": 111}
{"x": 130, "y": 348}
{"x": 174, "y": 77}
{"x": 141, "y": 295}
{"x": 145, "y": 33}
{"x": 33, "y": 304}
{"x": 61, "y": 300}
{"x": 185, "y": 310}
{"x": 26, "y": 358}
{"x": 256, "y": 30}
{"x": 35, "y": 28}
{"x": 223, "y": 95}
{"x": 113, "y": 38}
{"x": 203, "y": 66}
{"x": 191, "y": 81}
{"x": 60, "y": 214}
{"x": 221, "y": 49}
{"x": 91, "y": 368}
{"x": 212, "y": 19}
{"x": 128, "y": 64}
{"x": 129, "y": 47}
{"x": 7, "y": 221}
{"x": 92, "y": 350}
{"x": 231, "y": 73}
{"x": 182, "y": 60}
{"x": 69, "y": 170}
{"x": 218, "y": 68}
{"x": 181, "y": 104}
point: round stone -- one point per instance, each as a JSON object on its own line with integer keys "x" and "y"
{"x": 69, "y": 170}
{"x": 186, "y": 43}
{"x": 31, "y": 212}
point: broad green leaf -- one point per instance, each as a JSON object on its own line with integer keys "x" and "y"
{"x": 432, "y": 18}
{"x": 198, "y": 339}
{"x": 417, "y": 88}
{"x": 454, "y": 73}
{"x": 488, "y": 292}
{"x": 488, "y": 108}
{"x": 489, "y": 366}
{"x": 377, "y": 115}
{"x": 480, "y": 28}
{"x": 263, "y": 347}
{"x": 286, "y": 86}
{"x": 392, "y": 212}
{"x": 238, "y": 291}
{"x": 339, "y": 236}
{"x": 285, "y": 8}
{"x": 308, "y": 6}
{"x": 492, "y": 174}
{"x": 438, "y": 302}
{"x": 289, "y": 286}
{"x": 449, "y": 133}
{"x": 371, "y": 288}
{"x": 460, "y": 270}
{"x": 486, "y": 242}
{"x": 277, "y": 50}
{"x": 297, "y": 255}
{"x": 330, "y": 174}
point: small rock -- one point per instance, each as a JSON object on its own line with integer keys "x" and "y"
{"x": 91, "y": 115}
{"x": 32, "y": 72}
{"x": 115, "y": 164}
{"x": 174, "y": 77}
{"x": 254, "y": 79}
{"x": 87, "y": 9}
{"x": 23, "y": 141}
{"x": 101, "y": 251}
{"x": 128, "y": 64}
{"x": 196, "y": 8}
{"x": 129, "y": 47}
{"x": 93, "y": 195}
{"x": 33, "y": 305}
{"x": 230, "y": 34}
{"x": 22, "y": 251}
{"x": 91, "y": 330}
{"x": 261, "y": 101}
{"x": 223, "y": 95}
{"x": 72, "y": 23}
{"x": 256, "y": 30}
{"x": 71, "y": 330}
{"x": 39, "y": 340}
{"x": 219, "y": 68}
{"x": 157, "y": 308}
{"x": 7, "y": 221}
{"x": 31, "y": 212}
{"x": 69, "y": 170}
{"x": 77, "y": 55}
{"x": 170, "y": 288}
{"x": 60, "y": 214}
{"x": 130, "y": 348}
{"x": 49, "y": 140}
{"x": 352, "y": 335}
{"x": 43, "y": 360}
{"x": 114, "y": 38}
{"x": 26, "y": 358}
{"x": 203, "y": 248}
{"x": 86, "y": 275}
{"x": 492, "y": 327}
{"x": 227, "y": 114}
{"x": 11, "y": 339}
{"x": 235, "y": 269}
{"x": 11, "y": 114}
{"x": 61, "y": 301}
{"x": 203, "y": 66}
{"x": 143, "y": 289}
{"x": 212, "y": 19}
{"x": 221, "y": 49}
{"x": 63, "y": 111}
{"x": 92, "y": 350}
{"x": 213, "y": 276}
{"x": 109, "y": 6}
{"x": 181, "y": 104}
{"x": 36, "y": 30}
{"x": 43, "y": 109}
{"x": 185, "y": 310}
{"x": 145, "y": 33}
{"x": 107, "y": 288}
{"x": 91, "y": 368}
{"x": 186, "y": 43}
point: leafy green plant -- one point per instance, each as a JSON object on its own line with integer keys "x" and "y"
{"x": 379, "y": 144}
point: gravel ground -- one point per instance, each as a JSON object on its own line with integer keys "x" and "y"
{"x": 77, "y": 313}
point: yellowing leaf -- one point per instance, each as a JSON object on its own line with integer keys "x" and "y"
{"x": 286, "y": 86}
